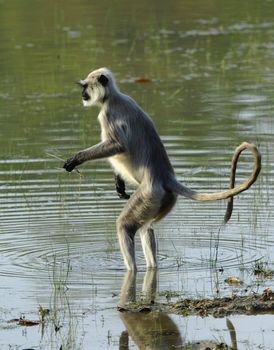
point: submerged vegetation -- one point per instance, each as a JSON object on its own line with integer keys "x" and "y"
{"x": 262, "y": 270}
{"x": 59, "y": 325}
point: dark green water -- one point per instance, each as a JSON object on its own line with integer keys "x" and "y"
{"x": 210, "y": 66}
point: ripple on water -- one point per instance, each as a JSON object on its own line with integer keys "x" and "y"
{"x": 48, "y": 218}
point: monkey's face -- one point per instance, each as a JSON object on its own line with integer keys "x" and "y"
{"x": 94, "y": 88}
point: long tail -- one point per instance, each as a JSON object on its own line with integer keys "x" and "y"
{"x": 232, "y": 191}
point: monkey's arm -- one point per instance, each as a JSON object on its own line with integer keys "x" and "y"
{"x": 120, "y": 187}
{"x": 101, "y": 150}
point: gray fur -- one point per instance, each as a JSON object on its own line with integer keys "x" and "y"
{"x": 132, "y": 145}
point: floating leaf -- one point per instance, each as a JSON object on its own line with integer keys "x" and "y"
{"x": 25, "y": 322}
{"x": 233, "y": 280}
{"x": 142, "y": 80}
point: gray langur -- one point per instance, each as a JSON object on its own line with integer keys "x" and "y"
{"x": 133, "y": 147}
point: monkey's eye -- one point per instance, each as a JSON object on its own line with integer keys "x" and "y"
{"x": 84, "y": 88}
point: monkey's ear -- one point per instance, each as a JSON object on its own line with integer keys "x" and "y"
{"x": 103, "y": 80}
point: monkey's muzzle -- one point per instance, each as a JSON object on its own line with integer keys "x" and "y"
{"x": 84, "y": 87}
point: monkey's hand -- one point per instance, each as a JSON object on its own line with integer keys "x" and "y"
{"x": 123, "y": 195}
{"x": 121, "y": 188}
{"x": 70, "y": 163}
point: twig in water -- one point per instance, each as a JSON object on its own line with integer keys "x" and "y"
{"x": 63, "y": 160}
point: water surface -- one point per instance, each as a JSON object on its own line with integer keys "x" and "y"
{"x": 210, "y": 67}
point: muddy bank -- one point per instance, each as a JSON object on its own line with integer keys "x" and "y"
{"x": 220, "y": 307}
{"x": 217, "y": 307}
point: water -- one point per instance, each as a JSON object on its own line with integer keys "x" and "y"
{"x": 210, "y": 70}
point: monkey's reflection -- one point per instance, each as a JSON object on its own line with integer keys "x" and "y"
{"x": 156, "y": 330}
{"x": 149, "y": 330}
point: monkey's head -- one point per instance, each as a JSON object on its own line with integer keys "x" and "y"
{"x": 96, "y": 87}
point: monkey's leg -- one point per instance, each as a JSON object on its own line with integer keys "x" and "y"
{"x": 128, "y": 290}
{"x": 120, "y": 187}
{"x": 165, "y": 202}
{"x": 149, "y": 286}
{"x": 140, "y": 209}
{"x": 126, "y": 233}
{"x": 149, "y": 246}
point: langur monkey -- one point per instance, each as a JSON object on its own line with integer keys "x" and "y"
{"x": 134, "y": 149}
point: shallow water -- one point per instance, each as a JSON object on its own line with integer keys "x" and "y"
{"x": 211, "y": 69}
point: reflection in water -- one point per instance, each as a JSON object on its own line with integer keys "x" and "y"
{"x": 149, "y": 330}
{"x": 156, "y": 330}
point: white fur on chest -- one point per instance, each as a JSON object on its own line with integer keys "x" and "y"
{"x": 122, "y": 166}
{"x": 120, "y": 162}
{"x": 103, "y": 122}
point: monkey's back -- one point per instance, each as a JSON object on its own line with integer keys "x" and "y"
{"x": 145, "y": 157}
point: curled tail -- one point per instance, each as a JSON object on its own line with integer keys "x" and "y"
{"x": 232, "y": 191}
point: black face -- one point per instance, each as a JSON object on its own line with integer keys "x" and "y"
{"x": 84, "y": 87}
{"x": 85, "y": 94}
